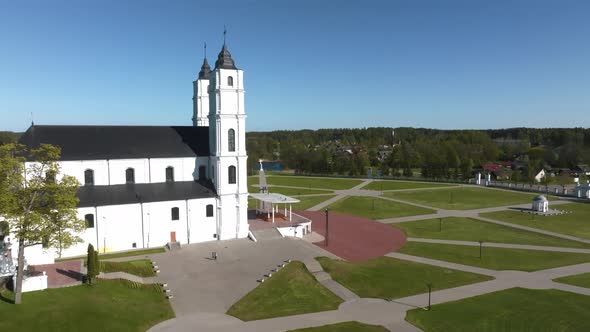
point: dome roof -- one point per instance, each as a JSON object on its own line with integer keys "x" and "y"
{"x": 205, "y": 70}
{"x": 224, "y": 60}
{"x": 540, "y": 198}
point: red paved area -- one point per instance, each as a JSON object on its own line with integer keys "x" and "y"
{"x": 61, "y": 274}
{"x": 354, "y": 238}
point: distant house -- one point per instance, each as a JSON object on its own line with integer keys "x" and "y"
{"x": 582, "y": 169}
{"x": 540, "y": 175}
{"x": 583, "y": 190}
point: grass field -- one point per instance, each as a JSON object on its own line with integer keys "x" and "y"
{"x": 297, "y": 191}
{"x": 139, "y": 267}
{"x": 515, "y": 309}
{"x": 376, "y": 208}
{"x": 390, "y": 278}
{"x": 468, "y": 229}
{"x": 495, "y": 258}
{"x": 132, "y": 253}
{"x": 308, "y": 182}
{"x": 308, "y": 201}
{"x": 397, "y": 185}
{"x": 576, "y": 223}
{"x": 344, "y": 327}
{"x": 108, "y": 305}
{"x": 462, "y": 198}
{"x": 582, "y": 280}
{"x": 291, "y": 291}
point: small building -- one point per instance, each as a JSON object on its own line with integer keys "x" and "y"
{"x": 583, "y": 190}
{"x": 540, "y": 204}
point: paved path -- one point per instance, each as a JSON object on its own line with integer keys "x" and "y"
{"x": 124, "y": 275}
{"x": 501, "y": 245}
{"x": 340, "y": 194}
{"x": 325, "y": 279}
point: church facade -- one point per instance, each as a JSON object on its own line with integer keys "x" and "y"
{"x": 146, "y": 186}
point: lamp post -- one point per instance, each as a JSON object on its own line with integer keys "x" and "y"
{"x": 327, "y": 228}
{"x": 429, "y": 285}
{"x": 104, "y": 237}
{"x": 440, "y": 224}
{"x": 480, "y": 245}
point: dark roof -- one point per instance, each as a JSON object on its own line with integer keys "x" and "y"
{"x": 141, "y": 192}
{"x": 224, "y": 60}
{"x": 120, "y": 142}
{"x": 205, "y": 70}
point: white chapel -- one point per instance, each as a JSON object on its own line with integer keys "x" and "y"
{"x": 146, "y": 186}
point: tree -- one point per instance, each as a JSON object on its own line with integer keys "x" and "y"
{"x": 92, "y": 262}
{"x": 32, "y": 200}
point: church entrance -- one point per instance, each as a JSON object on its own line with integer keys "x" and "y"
{"x": 172, "y": 237}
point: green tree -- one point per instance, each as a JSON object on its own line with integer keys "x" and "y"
{"x": 91, "y": 264}
{"x": 31, "y": 200}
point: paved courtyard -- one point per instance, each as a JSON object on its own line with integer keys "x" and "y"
{"x": 200, "y": 284}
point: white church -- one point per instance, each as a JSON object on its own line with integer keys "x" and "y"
{"x": 147, "y": 186}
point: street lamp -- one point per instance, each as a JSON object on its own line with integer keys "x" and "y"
{"x": 480, "y": 245}
{"x": 327, "y": 228}
{"x": 429, "y": 285}
{"x": 104, "y": 237}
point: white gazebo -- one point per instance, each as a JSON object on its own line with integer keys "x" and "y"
{"x": 272, "y": 203}
{"x": 540, "y": 204}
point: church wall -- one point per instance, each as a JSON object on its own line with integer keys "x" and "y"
{"x": 76, "y": 169}
{"x": 184, "y": 168}
{"x": 159, "y": 224}
{"x": 118, "y": 168}
{"x": 89, "y": 235}
{"x": 119, "y": 226}
{"x": 201, "y": 227}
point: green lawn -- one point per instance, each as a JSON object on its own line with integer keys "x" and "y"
{"x": 309, "y": 201}
{"x": 140, "y": 267}
{"x": 296, "y": 191}
{"x": 390, "y": 278}
{"x": 344, "y": 327}
{"x": 576, "y": 223}
{"x": 495, "y": 258}
{"x": 291, "y": 291}
{"x": 397, "y": 185}
{"x": 376, "y": 208}
{"x": 132, "y": 253}
{"x": 515, "y": 309}
{"x": 311, "y": 182}
{"x": 108, "y": 305}
{"x": 463, "y": 198}
{"x": 582, "y": 280}
{"x": 468, "y": 229}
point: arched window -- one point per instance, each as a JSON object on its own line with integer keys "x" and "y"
{"x": 210, "y": 210}
{"x": 231, "y": 172}
{"x": 175, "y": 213}
{"x": 230, "y": 81}
{"x": 130, "y": 175}
{"x": 169, "y": 174}
{"x": 89, "y": 218}
{"x": 202, "y": 175}
{"x": 88, "y": 177}
{"x": 231, "y": 140}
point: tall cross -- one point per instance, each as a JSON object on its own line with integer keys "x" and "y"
{"x": 224, "y": 33}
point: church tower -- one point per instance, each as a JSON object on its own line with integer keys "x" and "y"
{"x": 201, "y": 95}
{"x": 227, "y": 143}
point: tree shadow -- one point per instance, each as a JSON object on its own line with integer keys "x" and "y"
{"x": 72, "y": 274}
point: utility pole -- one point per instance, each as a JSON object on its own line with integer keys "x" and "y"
{"x": 327, "y": 228}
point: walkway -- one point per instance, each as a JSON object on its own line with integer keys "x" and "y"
{"x": 354, "y": 238}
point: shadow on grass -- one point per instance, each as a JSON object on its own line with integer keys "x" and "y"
{"x": 4, "y": 298}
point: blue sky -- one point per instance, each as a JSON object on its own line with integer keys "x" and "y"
{"x": 308, "y": 64}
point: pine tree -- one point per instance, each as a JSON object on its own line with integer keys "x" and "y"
{"x": 91, "y": 267}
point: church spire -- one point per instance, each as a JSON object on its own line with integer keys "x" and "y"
{"x": 205, "y": 69}
{"x": 224, "y": 60}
